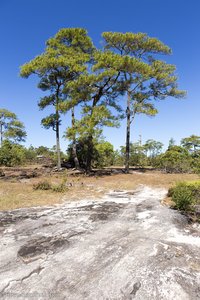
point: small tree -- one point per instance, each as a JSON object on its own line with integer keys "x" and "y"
{"x": 137, "y": 155}
{"x": 10, "y": 127}
{"x": 172, "y": 143}
{"x": 153, "y": 147}
{"x": 191, "y": 143}
{"x": 105, "y": 152}
{"x": 176, "y": 160}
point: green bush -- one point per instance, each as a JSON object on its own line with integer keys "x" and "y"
{"x": 42, "y": 185}
{"x": 60, "y": 188}
{"x": 45, "y": 185}
{"x": 185, "y": 195}
{"x": 176, "y": 160}
{"x": 11, "y": 154}
{"x": 104, "y": 154}
{"x": 196, "y": 164}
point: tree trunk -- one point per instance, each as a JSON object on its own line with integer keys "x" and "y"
{"x": 90, "y": 145}
{"x": 89, "y": 154}
{"x": 58, "y": 141}
{"x": 128, "y": 125}
{"x": 74, "y": 152}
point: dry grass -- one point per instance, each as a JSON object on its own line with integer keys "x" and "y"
{"x": 151, "y": 178}
{"x": 15, "y": 193}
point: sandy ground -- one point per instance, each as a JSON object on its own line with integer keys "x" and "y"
{"x": 125, "y": 245}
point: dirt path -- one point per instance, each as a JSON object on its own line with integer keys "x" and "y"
{"x": 124, "y": 246}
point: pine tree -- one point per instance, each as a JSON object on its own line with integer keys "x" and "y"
{"x": 144, "y": 78}
{"x": 62, "y": 62}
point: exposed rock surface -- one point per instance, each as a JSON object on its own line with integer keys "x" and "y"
{"x": 124, "y": 246}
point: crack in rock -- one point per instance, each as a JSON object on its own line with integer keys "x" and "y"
{"x": 35, "y": 271}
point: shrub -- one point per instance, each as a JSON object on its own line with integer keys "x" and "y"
{"x": 42, "y": 185}
{"x": 45, "y": 185}
{"x": 196, "y": 164}
{"x": 11, "y": 154}
{"x": 182, "y": 196}
{"x": 60, "y": 188}
{"x": 176, "y": 160}
{"x": 185, "y": 195}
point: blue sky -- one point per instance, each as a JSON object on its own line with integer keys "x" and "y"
{"x": 26, "y": 25}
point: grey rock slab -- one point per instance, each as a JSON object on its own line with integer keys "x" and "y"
{"x": 123, "y": 246}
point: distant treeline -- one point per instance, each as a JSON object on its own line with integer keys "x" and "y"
{"x": 177, "y": 158}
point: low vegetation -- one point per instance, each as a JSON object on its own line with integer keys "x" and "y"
{"x": 45, "y": 185}
{"x": 42, "y": 185}
{"x": 18, "y": 188}
{"x": 186, "y": 197}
